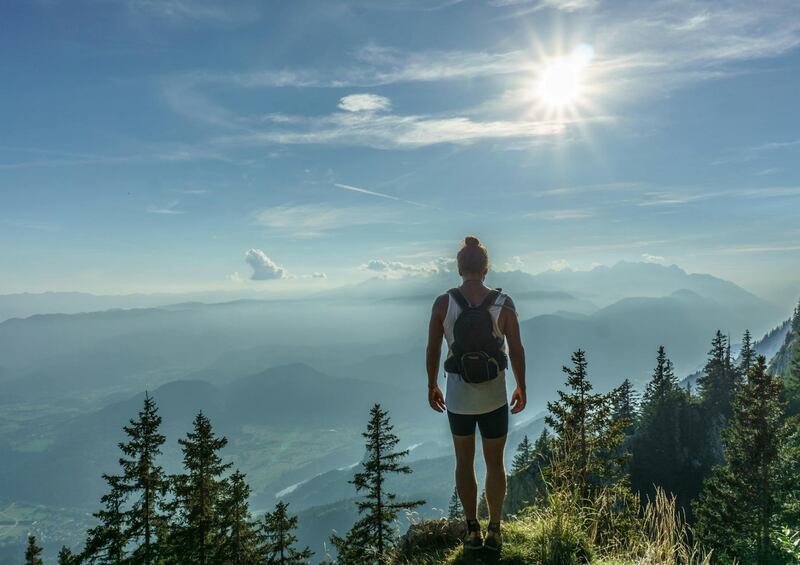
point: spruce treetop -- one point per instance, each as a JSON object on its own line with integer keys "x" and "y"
{"x": 747, "y": 356}
{"x": 278, "y": 538}
{"x": 33, "y": 553}
{"x": 524, "y": 457}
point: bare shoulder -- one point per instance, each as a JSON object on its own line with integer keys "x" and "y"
{"x": 440, "y": 304}
{"x": 508, "y": 311}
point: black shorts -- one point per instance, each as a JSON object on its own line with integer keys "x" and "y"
{"x": 492, "y": 424}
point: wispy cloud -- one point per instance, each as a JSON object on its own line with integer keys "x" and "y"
{"x": 759, "y": 151}
{"x": 378, "y": 194}
{"x": 168, "y": 209}
{"x": 38, "y": 226}
{"x": 182, "y": 11}
{"x": 522, "y": 7}
{"x": 161, "y": 153}
{"x": 314, "y": 220}
{"x": 557, "y": 215}
{"x": 768, "y": 248}
{"x": 389, "y": 131}
{"x": 648, "y": 258}
{"x": 364, "y": 103}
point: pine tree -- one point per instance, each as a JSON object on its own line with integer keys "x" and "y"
{"x": 659, "y": 458}
{"x": 796, "y": 320}
{"x": 65, "y": 556}
{"x": 741, "y": 502}
{"x": 33, "y": 552}
{"x": 239, "y": 542}
{"x": 793, "y": 383}
{"x": 373, "y": 534}
{"x": 587, "y": 438}
{"x": 524, "y": 457}
{"x": 143, "y": 481}
{"x": 747, "y": 356}
{"x": 106, "y": 541}
{"x": 663, "y": 382}
{"x": 198, "y": 493}
{"x": 277, "y": 533}
{"x": 717, "y": 383}
{"x": 543, "y": 448}
{"x": 454, "y": 510}
{"x": 626, "y": 405}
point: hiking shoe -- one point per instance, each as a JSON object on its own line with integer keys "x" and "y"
{"x": 494, "y": 539}
{"x": 473, "y": 539}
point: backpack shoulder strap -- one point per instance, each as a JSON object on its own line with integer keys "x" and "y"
{"x": 490, "y": 298}
{"x": 459, "y": 298}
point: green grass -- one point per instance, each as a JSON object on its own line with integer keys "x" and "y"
{"x": 520, "y": 547}
{"x": 566, "y": 534}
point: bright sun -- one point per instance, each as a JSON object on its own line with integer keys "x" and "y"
{"x": 561, "y": 82}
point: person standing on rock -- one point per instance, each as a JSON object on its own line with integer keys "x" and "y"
{"x": 476, "y": 322}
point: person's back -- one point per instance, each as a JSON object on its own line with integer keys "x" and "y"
{"x": 476, "y": 386}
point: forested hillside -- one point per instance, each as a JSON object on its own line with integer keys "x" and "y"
{"x": 671, "y": 475}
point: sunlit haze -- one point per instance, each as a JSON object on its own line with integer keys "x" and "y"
{"x": 149, "y": 146}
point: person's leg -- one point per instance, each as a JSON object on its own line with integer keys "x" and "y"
{"x": 495, "y": 476}
{"x": 462, "y": 426}
{"x": 494, "y": 427}
{"x": 466, "y": 484}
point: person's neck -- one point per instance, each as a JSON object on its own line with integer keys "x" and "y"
{"x": 472, "y": 280}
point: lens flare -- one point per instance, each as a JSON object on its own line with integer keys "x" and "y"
{"x": 561, "y": 82}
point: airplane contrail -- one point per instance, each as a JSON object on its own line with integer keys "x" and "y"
{"x": 378, "y": 194}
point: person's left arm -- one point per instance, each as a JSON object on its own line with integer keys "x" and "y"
{"x": 516, "y": 353}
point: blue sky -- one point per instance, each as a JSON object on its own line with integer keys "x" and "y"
{"x": 149, "y": 145}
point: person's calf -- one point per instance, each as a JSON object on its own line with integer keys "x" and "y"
{"x": 467, "y": 488}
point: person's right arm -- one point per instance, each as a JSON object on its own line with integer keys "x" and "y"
{"x": 433, "y": 353}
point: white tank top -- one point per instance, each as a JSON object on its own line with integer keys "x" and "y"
{"x": 473, "y": 398}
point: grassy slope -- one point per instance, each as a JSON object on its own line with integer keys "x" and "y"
{"x": 518, "y": 549}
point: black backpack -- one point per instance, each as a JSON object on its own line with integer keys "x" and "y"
{"x": 477, "y": 353}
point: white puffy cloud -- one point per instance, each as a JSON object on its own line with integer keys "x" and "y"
{"x": 364, "y": 103}
{"x": 558, "y": 265}
{"x": 264, "y": 268}
{"x": 514, "y": 264}
{"x": 396, "y": 269}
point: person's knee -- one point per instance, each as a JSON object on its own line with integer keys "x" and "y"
{"x": 465, "y": 469}
{"x": 495, "y": 467}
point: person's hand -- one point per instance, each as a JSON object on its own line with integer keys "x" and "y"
{"x": 436, "y": 399}
{"x": 519, "y": 399}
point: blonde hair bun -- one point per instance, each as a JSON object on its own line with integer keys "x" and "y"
{"x": 473, "y": 257}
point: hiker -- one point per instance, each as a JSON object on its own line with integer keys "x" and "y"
{"x": 476, "y": 321}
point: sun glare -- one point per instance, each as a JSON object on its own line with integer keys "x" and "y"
{"x": 561, "y": 83}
